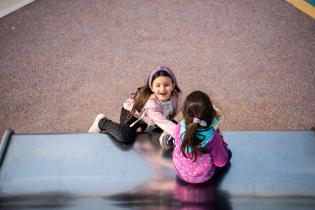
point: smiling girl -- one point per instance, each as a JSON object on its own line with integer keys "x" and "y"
{"x": 151, "y": 106}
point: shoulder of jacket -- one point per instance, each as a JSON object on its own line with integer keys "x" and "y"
{"x": 153, "y": 101}
{"x": 180, "y": 96}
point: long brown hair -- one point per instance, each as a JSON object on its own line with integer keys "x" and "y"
{"x": 143, "y": 93}
{"x": 197, "y": 105}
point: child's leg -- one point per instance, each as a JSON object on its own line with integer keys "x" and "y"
{"x": 139, "y": 126}
{"x": 94, "y": 128}
{"x": 167, "y": 141}
{"x": 122, "y": 132}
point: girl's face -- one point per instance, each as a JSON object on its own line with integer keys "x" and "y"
{"x": 163, "y": 87}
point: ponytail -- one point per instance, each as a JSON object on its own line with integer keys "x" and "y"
{"x": 198, "y": 113}
{"x": 188, "y": 142}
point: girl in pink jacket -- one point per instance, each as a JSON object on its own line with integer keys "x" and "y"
{"x": 200, "y": 149}
{"x": 153, "y": 105}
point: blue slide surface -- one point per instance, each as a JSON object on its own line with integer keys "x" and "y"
{"x": 83, "y": 170}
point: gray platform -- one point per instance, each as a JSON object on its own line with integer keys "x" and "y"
{"x": 80, "y": 170}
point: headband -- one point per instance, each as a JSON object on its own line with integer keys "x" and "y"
{"x": 161, "y": 68}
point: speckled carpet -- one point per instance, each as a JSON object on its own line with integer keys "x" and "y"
{"x": 63, "y": 62}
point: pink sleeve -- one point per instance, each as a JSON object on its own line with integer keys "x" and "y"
{"x": 158, "y": 118}
{"x": 218, "y": 150}
{"x": 177, "y": 134}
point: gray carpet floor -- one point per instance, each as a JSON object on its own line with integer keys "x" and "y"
{"x": 63, "y": 62}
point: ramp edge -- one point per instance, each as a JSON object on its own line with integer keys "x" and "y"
{"x": 4, "y": 143}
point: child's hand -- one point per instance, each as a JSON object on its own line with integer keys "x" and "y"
{"x": 219, "y": 116}
{"x": 217, "y": 111}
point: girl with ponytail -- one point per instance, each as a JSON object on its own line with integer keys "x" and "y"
{"x": 200, "y": 148}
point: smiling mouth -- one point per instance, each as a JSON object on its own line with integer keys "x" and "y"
{"x": 163, "y": 94}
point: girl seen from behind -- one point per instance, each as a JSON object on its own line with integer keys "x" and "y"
{"x": 200, "y": 150}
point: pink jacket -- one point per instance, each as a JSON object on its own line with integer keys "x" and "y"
{"x": 152, "y": 112}
{"x": 216, "y": 154}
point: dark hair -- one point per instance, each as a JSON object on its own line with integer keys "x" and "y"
{"x": 197, "y": 105}
{"x": 143, "y": 93}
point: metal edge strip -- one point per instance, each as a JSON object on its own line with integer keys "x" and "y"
{"x": 4, "y": 143}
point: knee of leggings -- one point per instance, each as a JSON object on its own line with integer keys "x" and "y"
{"x": 127, "y": 136}
{"x": 102, "y": 123}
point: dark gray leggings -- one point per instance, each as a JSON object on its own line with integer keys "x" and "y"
{"x": 122, "y": 132}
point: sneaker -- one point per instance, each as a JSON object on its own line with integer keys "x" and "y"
{"x": 94, "y": 128}
{"x": 167, "y": 141}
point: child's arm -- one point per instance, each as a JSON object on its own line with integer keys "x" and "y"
{"x": 165, "y": 124}
{"x": 153, "y": 111}
{"x": 218, "y": 150}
